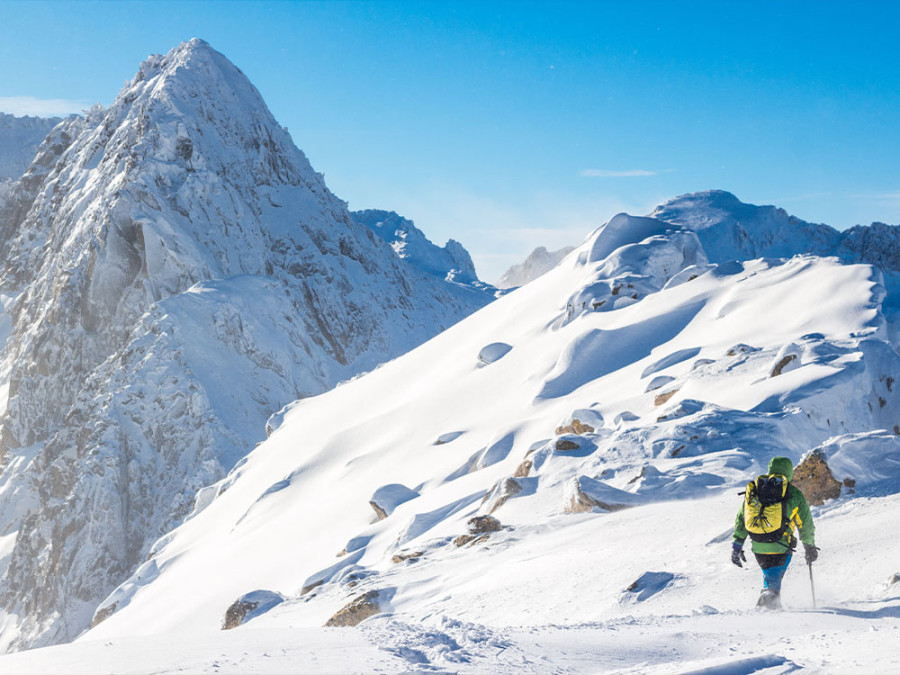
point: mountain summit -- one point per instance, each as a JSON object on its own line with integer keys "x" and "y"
{"x": 173, "y": 271}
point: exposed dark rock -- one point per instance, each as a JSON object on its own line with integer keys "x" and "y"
{"x": 401, "y": 557}
{"x": 482, "y": 524}
{"x": 585, "y": 494}
{"x": 357, "y": 610}
{"x": 815, "y": 480}
{"x": 470, "y": 539}
{"x": 250, "y": 605}
{"x": 103, "y": 613}
{"x": 576, "y": 427}
{"x": 501, "y": 492}
{"x": 659, "y": 399}
{"x": 782, "y": 364}
{"x": 523, "y": 469}
{"x": 564, "y": 444}
{"x": 389, "y": 497}
{"x": 315, "y": 584}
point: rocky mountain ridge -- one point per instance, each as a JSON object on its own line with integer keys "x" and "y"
{"x": 173, "y": 271}
{"x": 451, "y": 262}
{"x": 20, "y": 138}
{"x": 539, "y": 262}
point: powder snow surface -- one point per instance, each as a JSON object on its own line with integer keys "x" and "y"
{"x": 671, "y": 360}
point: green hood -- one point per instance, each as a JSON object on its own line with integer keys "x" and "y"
{"x": 783, "y": 466}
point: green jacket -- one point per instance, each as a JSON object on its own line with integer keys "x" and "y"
{"x": 802, "y": 520}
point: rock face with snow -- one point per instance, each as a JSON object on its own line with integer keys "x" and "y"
{"x": 539, "y": 262}
{"x": 665, "y": 354}
{"x": 452, "y": 262}
{"x": 172, "y": 271}
{"x": 20, "y": 138}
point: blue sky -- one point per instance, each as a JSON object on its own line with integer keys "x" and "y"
{"x": 512, "y": 125}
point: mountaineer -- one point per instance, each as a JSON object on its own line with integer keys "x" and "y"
{"x": 771, "y": 510}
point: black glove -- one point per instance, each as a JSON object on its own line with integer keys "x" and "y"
{"x": 737, "y": 554}
{"x": 812, "y": 553}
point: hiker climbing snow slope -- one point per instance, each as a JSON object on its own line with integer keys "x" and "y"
{"x": 771, "y": 510}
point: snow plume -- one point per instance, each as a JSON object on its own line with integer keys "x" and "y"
{"x": 173, "y": 271}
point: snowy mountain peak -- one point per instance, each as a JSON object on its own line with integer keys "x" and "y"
{"x": 20, "y": 138}
{"x": 173, "y": 272}
{"x": 539, "y": 262}
{"x": 194, "y": 88}
{"x": 451, "y": 262}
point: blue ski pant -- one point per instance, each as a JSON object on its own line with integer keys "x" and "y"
{"x": 773, "y": 568}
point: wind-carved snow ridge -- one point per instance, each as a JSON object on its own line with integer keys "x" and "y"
{"x": 628, "y": 259}
{"x": 173, "y": 272}
{"x": 732, "y": 230}
{"x": 640, "y": 386}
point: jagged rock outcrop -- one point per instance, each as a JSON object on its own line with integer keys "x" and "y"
{"x": 249, "y": 606}
{"x": 452, "y": 262}
{"x": 357, "y": 610}
{"x": 815, "y": 480}
{"x": 178, "y": 272}
{"x": 20, "y": 138}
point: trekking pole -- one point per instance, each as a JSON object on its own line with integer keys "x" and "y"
{"x": 812, "y": 584}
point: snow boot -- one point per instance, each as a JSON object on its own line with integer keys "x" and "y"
{"x": 769, "y": 599}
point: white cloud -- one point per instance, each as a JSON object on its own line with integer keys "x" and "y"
{"x": 41, "y": 107}
{"x": 606, "y": 173}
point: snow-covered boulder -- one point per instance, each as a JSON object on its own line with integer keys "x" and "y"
{"x": 492, "y": 353}
{"x": 585, "y": 494}
{"x": 357, "y": 610}
{"x": 788, "y": 358}
{"x": 389, "y": 497}
{"x": 249, "y": 606}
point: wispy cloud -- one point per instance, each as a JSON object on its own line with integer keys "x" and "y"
{"x": 41, "y": 107}
{"x": 877, "y": 196}
{"x": 609, "y": 173}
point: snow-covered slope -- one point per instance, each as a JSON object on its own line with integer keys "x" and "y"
{"x": 19, "y": 141}
{"x": 606, "y": 414}
{"x": 539, "y": 262}
{"x": 732, "y": 230}
{"x": 452, "y": 262}
{"x": 172, "y": 272}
